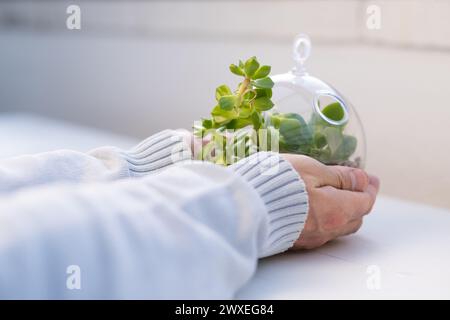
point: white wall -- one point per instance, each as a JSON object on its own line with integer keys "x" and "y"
{"x": 139, "y": 67}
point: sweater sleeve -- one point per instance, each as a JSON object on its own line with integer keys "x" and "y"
{"x": 283, "y": 193}
{"x": 101, "y": 164}
{"x": 194, "y": 231}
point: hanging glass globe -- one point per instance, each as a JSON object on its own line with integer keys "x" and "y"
{"x": 313, "y": 118}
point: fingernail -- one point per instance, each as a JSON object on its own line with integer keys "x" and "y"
{"x": 373, "y": 180}
{"x": 353, "y": 180}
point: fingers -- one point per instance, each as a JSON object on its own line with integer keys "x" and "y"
{"x": 350, "y": 191}
{"x": 355, "y": 204}
{"x": 352, "y": 227}
{"x": 345, "y": 178}
{"x": 319, "y": 175}
{"x": 343, "y": 206}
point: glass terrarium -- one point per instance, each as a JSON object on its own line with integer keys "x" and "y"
{"x": 313, "y": 118}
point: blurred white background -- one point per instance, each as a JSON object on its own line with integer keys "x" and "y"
{"x": 137, "y": 67}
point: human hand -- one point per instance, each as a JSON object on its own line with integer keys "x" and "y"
{"x": 339, "y": 197}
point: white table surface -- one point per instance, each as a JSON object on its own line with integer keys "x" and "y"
{"x": 406, "y": 244}
{"x": 27, "y": 133}
{"x": 402, "y": 251}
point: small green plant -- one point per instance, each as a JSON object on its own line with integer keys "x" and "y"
{"x": 239, "y": 117}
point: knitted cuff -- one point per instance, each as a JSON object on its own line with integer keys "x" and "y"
{"x": 284, "y": 194}
{"x": 158, "y": 152}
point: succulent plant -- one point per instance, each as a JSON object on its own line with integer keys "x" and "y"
{"x": 240, "y": 116}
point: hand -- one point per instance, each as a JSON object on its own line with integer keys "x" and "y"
{"x": 339, "y": 197}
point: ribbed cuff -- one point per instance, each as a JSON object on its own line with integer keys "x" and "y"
{"x": 158, "y": 152}
{"x": 284, "y": 194}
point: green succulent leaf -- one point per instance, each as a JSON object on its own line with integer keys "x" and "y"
{"x": 295, "y": 132}
{"x": 320, "y": 140}
{"x": 323, "y": 155}
{"x": 275, "y": 119}
{"x": 246, "y": 110}
{"x": 250, "y": 67}
{"x": 242, "y": 123}
{"x": 250, "y": 95}
{"x": 207, "y": 123}
{"x": 227, "y": 102}
{"x": 263, "y": 104}
{"x": 223, "y": 90}
{"x": 262, "y": 72}
{"x": 237, "y": 70}
{"x": 334, "y": 111}
{"x": 264, "y": 83}
{"x": 263, "y": 93}
{"x": 222, "y": 116}
{"x": 334, "y": 138}
{"x": 346, "y": 148}
{"x": 256, "y": 120}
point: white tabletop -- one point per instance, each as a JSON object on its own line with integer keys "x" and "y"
{"x": 402, "y": 251}
{"x": 22, "y": 133}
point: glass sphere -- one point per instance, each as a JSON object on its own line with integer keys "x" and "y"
{"x": 313, "y": 118}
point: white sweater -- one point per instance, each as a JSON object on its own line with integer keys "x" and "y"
{"x": 142, "y": 223}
